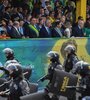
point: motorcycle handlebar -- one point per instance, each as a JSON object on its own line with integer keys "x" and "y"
{"x": 41, "y": 79}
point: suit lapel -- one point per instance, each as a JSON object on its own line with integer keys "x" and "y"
{"x": 17, "y": 32}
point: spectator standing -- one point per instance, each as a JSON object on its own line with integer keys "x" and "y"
{"x": 51, "y": 16}
{"x": 26, "y": 24}
{"x": 42, "y": 12}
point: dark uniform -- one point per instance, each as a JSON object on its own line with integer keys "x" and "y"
{"x": 18, "y": 85}
{"x": 70, "y": 61}
{"x": 52, "y": 67}
{"x": 82, "y": 68}
{"x": 71, "y": 58}
{"x": 55, "y": 64}
{"x": 18, "y": 88}
{"x": 10, "y": 58}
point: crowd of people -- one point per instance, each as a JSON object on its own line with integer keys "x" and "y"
{"x": 42, "y": 19}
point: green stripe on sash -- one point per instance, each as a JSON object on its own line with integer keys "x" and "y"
{"x": 34, "y": 29}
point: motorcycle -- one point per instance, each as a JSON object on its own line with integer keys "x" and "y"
{"x": 57, "y": 88}
{"x": 4, "y": 82}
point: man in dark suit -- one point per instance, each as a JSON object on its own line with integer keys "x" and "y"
{"x": 56, "y": 32}
{"x": 26, "y": 24}
{"x": 2, "y": 7}
{"x": 9, "y": 26}
{"x": 32, "y": 29}
{"x": 14, "y": 31}
{"x": 6, "y": 14}
{"x": 77, "y": 31}
{"x": 45, "y": 31}
{"x": 16, "y": 15}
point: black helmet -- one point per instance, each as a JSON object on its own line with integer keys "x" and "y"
{"x": 9, "y": 53}
{"x": 15, "y": 69}
{"x": 70, "y": 48}
{"x": 82, "y": 68}
{"x": 53, "y": 56}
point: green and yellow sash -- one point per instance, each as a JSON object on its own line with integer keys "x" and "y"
{"x": 34, "y": 29}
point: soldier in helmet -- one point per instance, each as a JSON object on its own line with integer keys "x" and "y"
{"x": 71, "y": 58}
{"x": 54, "y": 64}
{"x": 9, "y": 53}
{"x": 18, "y": 86}
{"x": 83, "y": 69}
